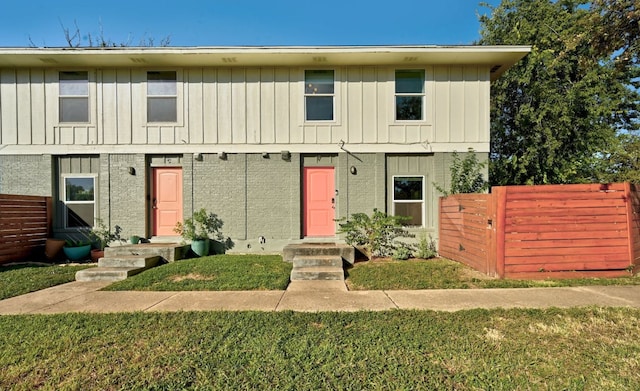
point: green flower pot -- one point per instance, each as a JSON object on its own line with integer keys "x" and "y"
{"x": 200, "y": 247}
{"x": 75, "y": 254}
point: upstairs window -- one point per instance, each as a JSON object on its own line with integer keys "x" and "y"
{"x": 74, "y": 97}
{"x": 408, "y": 198}
{"x": 319, "y": 95}
{"x": 162, "y": 96}
{"x": 410, "y": 95}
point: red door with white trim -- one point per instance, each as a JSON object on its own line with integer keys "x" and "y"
{"x": 319, "y": 201}
{"x": 166, "y": 200}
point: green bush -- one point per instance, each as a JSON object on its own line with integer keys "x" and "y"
{"x": 426, "y": 248}
{"x": 203, "y": 225}
{"x": 402, "y": 252}
{"x": 376, "y": 234}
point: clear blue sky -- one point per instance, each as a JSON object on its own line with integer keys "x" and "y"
{"x": 248, "y": 22}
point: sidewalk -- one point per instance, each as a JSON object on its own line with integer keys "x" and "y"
{"x": 311, "y": 296}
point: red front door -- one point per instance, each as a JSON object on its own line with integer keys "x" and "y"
{"x": 319, "y": 201}
{"x": 167, "y": 200}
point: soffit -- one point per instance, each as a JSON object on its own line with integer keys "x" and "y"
{"x": 498, "y": 58}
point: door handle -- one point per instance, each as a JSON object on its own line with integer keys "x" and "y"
{"x": 333, "y": 203}
{"x": 155, "y": 203}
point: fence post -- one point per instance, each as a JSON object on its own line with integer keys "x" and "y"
{"x": 631, "y": 232}
{"x": 500, "y": 202}
{"x": 48, "y": 205}
{"x": 490, "y": 238}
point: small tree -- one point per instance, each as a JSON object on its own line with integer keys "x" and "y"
{"x": 203, "y": 225}
{"x": 466, "y": 175}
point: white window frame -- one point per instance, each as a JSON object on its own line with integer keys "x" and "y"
{"x": 332, "y": 95}
{"x": 422, "y": 95}
{"x": 423, "y": 201}
{"x": 176, "y": 96}
{"x": 86, "y": 97}
{"x": 64, "y": 178}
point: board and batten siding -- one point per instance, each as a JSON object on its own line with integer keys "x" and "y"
{"x": 235, "y": 106}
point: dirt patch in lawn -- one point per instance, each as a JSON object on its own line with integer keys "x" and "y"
{"x": 192, "y": 276}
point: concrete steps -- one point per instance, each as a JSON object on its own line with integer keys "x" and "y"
{"x": 168, "y": 252}
{"x": 128, "y": 261}
{"x": 346, "y": 252}
{"x": 107, "y": 273}
{"x": 120, "y": 262}
{"x": 317, "y": 268}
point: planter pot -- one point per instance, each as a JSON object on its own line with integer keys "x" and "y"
{"x": 77, "y": 253}
{"x": 200, "y": 247}
{"x": 96, "y": 255}
{"x": 134, "y": 239}
{"x": 53, "y": 248}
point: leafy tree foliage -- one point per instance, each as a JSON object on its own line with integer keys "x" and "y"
{"x": 557, "y": 113}
{"x": 466, "y": 175}
{"x": 622, "y": 162}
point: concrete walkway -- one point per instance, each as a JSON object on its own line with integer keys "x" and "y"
{"x": 311, "y": 296}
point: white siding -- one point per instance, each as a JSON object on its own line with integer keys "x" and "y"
{"x": 248, "y": 106}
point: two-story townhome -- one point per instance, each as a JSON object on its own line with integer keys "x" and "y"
{"x": 278, "y": 141}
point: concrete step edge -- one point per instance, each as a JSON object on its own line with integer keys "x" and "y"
{"x": 317, "y": 260}
{"x": 129, "y": 261}
{"x": 107, "y": 273}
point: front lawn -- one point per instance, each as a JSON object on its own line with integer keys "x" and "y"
{"x": 29, "y": 277}
{"x": 213, "y": 273}
{"x": 554, "y": 349}
{"x": 440, "y": 273}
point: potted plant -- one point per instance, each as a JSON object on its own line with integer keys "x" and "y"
{"x": 53, "y": 248}
{"x": 77, "y": 249}
{"x": 199, "y": 229}
{"x": 103, "y": 237}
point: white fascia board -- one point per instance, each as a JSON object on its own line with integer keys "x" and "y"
{"x": 240, "y": 148}
{"x": 498, "y": 57}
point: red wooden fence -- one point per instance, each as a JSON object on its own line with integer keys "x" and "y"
{"x": 25, "y": 224}
{"x": 564, "y": 230}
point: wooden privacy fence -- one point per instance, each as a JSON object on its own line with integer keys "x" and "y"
{"x": 544, "y": 231}
{"x": 25, "y": 224}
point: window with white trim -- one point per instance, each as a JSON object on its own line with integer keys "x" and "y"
{"x": 319, "y": 95}
{"x": 73, "y": 105}
{"x": 410, "y": 94}
{"x": 162, "y": 96}
{"x": 79, "y": 200}
{"x": 408, "y": 199}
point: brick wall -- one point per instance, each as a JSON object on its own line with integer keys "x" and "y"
{"x": 122, "y": 195}
{"x": 26, "y": 174}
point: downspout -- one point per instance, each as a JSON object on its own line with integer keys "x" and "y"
{"x": 246, "y": 196}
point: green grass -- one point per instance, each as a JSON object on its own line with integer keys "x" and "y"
{"x": 441, "y": 273}
{"x": 213, "y": 273}
{"x": 24, "y": 278}
{"x": 577, "y": 349}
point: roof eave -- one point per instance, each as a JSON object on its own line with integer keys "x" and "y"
{"x": 498, "y": 58}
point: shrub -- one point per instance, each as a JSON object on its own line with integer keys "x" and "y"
{"x": 426, "y": 248}
{"x": 402, "y": 252}
{"x": 376, "y": 234}
{"x": 203, "y": 225}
